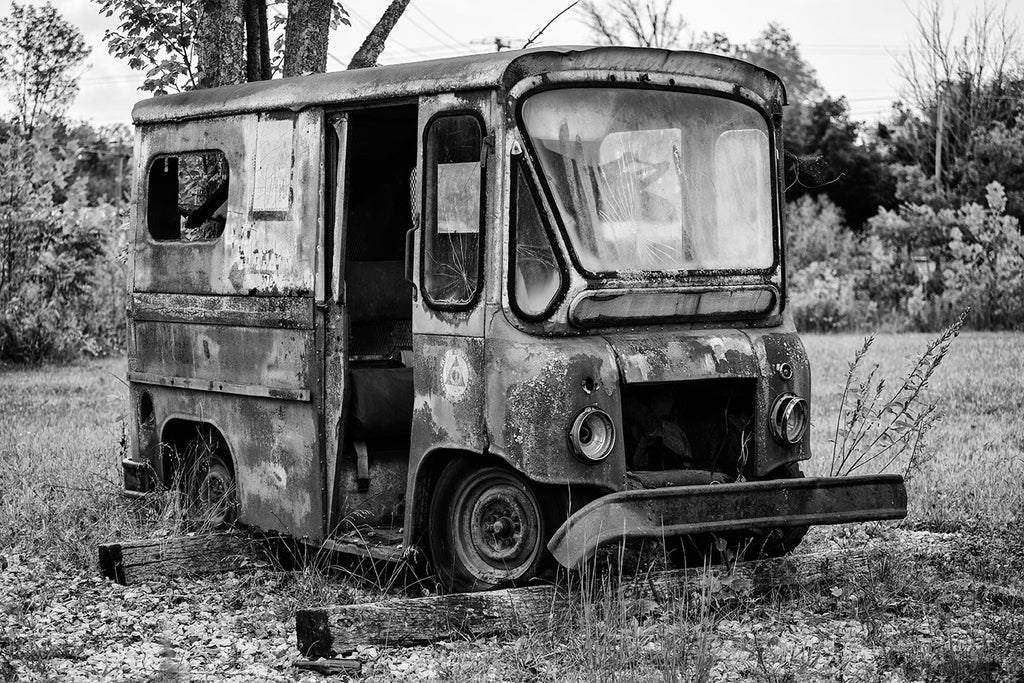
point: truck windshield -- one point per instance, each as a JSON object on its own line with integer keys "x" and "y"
{"x": 651, "y": 180}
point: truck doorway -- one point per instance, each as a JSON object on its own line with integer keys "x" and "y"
{"x": 380, "y": 156}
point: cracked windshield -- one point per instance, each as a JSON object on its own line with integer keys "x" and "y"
{"x": 650, "y": 180}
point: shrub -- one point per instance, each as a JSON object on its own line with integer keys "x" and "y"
{"x": 816, "y": 232}
{"x": 61, "y": 262}
{"x": 821, "y": 298}
{"x": 985, "y": 270}
{"x": 71, "y": 299}
{"x": 946, "y": 260}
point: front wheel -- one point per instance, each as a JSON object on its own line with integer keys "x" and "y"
{"x": 487, "y": 527}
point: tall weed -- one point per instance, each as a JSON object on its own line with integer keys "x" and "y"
{"x": 878, "y": 427}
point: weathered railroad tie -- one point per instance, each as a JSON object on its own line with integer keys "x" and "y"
{"x": 129, "y": 562}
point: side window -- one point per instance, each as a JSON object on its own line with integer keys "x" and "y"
{"x": 538, "y": 278}
{"x": 453, "y": 211}
{"x": 187, "y": 198}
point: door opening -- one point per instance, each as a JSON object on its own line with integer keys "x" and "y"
{"x": 380, "y": 159}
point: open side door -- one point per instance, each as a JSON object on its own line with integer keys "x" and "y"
{"x": 334, "y": 319}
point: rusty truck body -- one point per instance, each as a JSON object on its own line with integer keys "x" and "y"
{"x": 484, "y": 306}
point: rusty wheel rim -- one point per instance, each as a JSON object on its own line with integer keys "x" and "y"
{"x": 497, "y": 526}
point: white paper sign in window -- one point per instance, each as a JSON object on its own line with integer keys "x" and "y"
{"x": 458, "y": 197}
{"x": 272, "y": 184}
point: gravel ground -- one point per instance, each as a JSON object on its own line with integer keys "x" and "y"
{"x": 74, "y": 626}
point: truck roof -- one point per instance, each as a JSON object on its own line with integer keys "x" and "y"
{"x": 453, "y": 74}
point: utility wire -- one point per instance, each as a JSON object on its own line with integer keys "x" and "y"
{"x": 440, "y": 28}
{"x": 367, "y": 26}
{"x": 427, "y": 31}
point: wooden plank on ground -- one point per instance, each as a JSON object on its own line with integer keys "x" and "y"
{"x": 338, "y": 629}
{"x": 330, "y": 667}
{"x": 196, "y": 554}
{"x": 410, "y": 621}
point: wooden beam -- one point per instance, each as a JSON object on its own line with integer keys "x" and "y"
{"x": 329, "y": 667}
{"x": 129, "y": 562}
{"x": 338, "y": 629}
{"x": 401, "y": 621}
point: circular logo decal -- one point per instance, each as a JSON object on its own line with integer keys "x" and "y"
{"x": 454, "y": 374}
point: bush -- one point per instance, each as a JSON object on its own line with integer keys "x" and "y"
{"x": 947, "y": 260}
{"x": 821, "y": 255}
{"x": 821, "y": 298}
{"x": 71, "y": 300}
{"x": 816, "y": 232}
{"x": 62, "y": 281}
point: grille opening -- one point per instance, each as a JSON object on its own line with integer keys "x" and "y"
{"x": 700, "y": 425}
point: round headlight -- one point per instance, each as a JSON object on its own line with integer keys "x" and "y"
{"x": 592, "y": 435}
{"x": 788, "y": 418}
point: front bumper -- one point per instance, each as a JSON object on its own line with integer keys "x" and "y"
{"x": 683, "y": 510}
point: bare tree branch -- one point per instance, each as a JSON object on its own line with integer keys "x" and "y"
{"x": 628, "y": 22}
{"x": 538, "y": 33}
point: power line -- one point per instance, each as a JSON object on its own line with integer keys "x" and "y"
{"x": 368, "y": 27}
{"x": 438, "y": 26}
{"x": 428, "y": 33}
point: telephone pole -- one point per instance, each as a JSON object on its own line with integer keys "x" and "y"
{"x": 940, "y": 121}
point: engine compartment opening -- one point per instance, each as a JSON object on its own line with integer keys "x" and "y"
{"x": 700, "y": 425}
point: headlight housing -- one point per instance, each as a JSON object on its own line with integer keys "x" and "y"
{"x": 789, "y": 418}
{"x": 592, "y": 435}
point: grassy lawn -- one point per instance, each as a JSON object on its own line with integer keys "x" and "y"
{"x": 975, "y": 453}
{"x": 947, "y": 614}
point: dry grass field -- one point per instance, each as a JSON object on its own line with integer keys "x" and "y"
{"x": 942, "y": 599}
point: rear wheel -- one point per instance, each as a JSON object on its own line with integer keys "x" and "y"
{"x": 209, "y": 486}
{"x": 488, "y": 527}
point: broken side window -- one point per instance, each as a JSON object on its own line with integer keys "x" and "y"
{"x": 538, "y": 274}
{"x": 454, "y": 210}
{"x": 187, "y": 199}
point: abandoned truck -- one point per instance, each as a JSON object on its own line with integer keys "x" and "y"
{"x": 499, "y": 308}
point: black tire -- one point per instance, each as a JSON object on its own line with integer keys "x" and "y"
{"x": 488, "y": 527}
{"x": 701, "y": 549}
{"x": 211, "y": 497}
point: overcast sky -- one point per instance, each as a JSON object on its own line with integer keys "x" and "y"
{"x": 854, "y": 45}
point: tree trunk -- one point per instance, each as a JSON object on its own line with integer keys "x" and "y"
{"x": 257, "y": 68}
{"x": 266, "y": 70}
{"x": 305, "y": 37}
{"x": 220, "y": 43}
{"x": 371, "y": 48}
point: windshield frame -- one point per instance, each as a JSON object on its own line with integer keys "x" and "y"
{"x": 541, "y": 178}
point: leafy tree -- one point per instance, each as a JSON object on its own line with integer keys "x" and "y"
{"x": 848, "y": 166}
{"x": 41, "y": 59}
{"x": 776, "y": 50}
{"x": 773, "y": 49}
{"x": 101, "y": 160}
{"x": 184, "y": 45}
